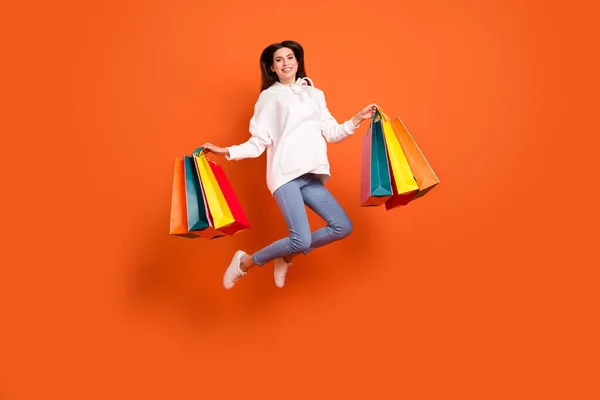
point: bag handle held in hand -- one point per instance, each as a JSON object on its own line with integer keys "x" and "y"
{"x": 198, "y": 152}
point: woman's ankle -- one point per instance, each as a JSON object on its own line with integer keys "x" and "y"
{"x": 246, "y": 263}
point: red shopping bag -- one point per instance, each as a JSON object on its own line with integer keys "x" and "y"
{"x": 240, "y": 221}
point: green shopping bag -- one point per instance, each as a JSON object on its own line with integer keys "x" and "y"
{"x": 376, "y": 182}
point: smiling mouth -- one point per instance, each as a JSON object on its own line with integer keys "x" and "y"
{"x": 286, "y": 69}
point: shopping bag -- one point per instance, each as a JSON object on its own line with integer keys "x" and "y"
{"x": 179, "y": 223}
{"x": 217, "y": 205}
{"x": 404, "y": 186}
{"x": 425, "y": 176}
{"x": 197, "y": 212}
{"x": 211, "y": 232}
{"x": 375, "y": 185}
{"x": 240, "y": 221}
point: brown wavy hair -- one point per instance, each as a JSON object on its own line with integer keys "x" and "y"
{"x": 269, "y": 78}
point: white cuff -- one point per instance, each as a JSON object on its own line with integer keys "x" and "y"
{"x": 349, "y": 126}
{"x": 232, "y": 153}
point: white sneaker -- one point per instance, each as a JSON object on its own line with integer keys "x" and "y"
{"x": 233, "y": 272}
{"x": 280, "y": 271}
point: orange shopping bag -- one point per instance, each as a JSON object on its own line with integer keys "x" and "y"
{"x": 424, "y": 175}
{"x": 179, "y": 222}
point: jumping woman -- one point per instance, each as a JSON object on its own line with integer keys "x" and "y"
{"x": 292, "y": 123}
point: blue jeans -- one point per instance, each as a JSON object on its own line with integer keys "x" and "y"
{"x": 291, "y": 198}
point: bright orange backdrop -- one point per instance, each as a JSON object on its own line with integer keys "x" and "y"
{"x": 482, "y": 289}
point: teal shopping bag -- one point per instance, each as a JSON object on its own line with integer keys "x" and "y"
{"x": 376, "y": 182}
{"x": 197, "y": 215}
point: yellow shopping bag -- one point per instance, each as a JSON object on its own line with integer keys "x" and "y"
{"x": 217, "y": 205}
{"x": 403, "y": 181}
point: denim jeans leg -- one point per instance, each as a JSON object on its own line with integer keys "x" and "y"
{"x": 290, "y": 201}
{"x": 321, "y": 201}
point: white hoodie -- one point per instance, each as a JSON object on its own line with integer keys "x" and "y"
{"x": 292, "y": 123}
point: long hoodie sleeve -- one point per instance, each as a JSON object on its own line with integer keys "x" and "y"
{"x": 260, "y": 129}
{"x": 332, "y": 130}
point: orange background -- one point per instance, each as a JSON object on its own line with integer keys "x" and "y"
{"x": 482, "y": 289}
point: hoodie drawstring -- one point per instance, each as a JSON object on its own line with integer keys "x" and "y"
{"x": 303, "y": 82}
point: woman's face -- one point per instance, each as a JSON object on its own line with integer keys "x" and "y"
{"x": 285, "y": 65}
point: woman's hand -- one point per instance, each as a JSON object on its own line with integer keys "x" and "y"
{"x": 365, "y": 113}
{"x": 211, "y": 148}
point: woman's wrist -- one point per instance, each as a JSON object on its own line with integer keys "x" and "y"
{"x": 356, "y": 120}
